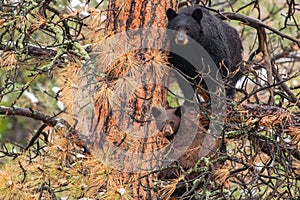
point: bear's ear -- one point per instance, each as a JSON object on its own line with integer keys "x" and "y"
{"x": 171, "y": 14}
{"x": 197, "y": 14}
{"x": 178, "y": 111}
{"x": 155, "y": 112}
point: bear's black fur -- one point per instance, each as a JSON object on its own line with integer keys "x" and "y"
{"x": 220, "y": 40}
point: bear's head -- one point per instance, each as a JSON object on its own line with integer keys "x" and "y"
{"x": 167, "y": 121}
{"x": 185, "y": 24}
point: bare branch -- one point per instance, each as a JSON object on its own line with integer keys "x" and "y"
{"x": 255, "y": 23}
{"x": 260, "y": 26}
{"x": 47, "y": 119}
{"x": 33, "y": 51}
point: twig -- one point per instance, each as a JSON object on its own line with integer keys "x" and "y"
{"x": 36, "y": 136}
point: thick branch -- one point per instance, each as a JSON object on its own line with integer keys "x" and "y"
{"x": 47, "y": 119}
{"x": 263, "y": 47}
{"x": 255, "y": 23}
{"x": 32, "y": 50}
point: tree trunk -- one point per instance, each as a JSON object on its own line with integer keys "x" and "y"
{"x": 133, "y": 14}
{"x": 134, "y": 82}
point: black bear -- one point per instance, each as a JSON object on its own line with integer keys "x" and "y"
{"x": 220, "y": 40}
{"x": 167, "y": 121}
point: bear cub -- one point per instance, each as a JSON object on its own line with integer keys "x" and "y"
{"x": 220, "y": 40}
{"x": 167, "y": 121}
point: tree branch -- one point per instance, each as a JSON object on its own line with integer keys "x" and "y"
{"x": 260, "y": 26}
{"x": 32, "y": 50}
{"x": 47, "y": 119}
{"x": 255, "y": 23}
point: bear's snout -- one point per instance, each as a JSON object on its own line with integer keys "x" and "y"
{"x": 181, "y": 39}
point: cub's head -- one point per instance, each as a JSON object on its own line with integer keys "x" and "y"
{"x": 186, "y": 23}
{"x": 167, "y": 121}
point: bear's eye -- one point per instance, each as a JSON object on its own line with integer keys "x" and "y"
{"x": 177, "y": 28}
{"x": 172, "y": 123}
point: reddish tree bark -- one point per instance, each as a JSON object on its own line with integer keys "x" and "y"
{"x": 135, "y": 133}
